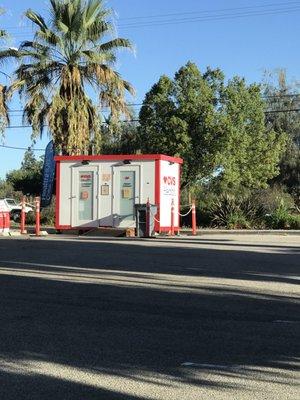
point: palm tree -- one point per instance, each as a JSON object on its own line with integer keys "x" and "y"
{"x": 4, "y": 92}
{"x": 69, "y": 57}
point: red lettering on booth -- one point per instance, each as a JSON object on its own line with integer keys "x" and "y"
{"x": 169, "y": 180}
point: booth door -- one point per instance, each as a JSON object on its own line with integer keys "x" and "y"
{"x": 84, "y": 196}
{"x": 126, "y": 195}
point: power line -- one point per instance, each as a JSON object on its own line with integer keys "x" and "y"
{"x": 125, "y": 121}
{"x": 218, "y": 10}
{"x": 276, "y": 96}
{"x": 20, "y": 148}
{"x": 211, "y": 15}
{"x": 288, "y": 6}
{"x": 207, "y": 11}
{"x": 282, "y": 111}
{"x": 137, "y": 120}
{"x": 45, "y": 126}
{"x": 18, "y": 126}
{"x": 208, "y": 18}
{"x": 294, "y": 95}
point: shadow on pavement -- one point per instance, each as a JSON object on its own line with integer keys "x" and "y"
{"x": 86, "y": 320}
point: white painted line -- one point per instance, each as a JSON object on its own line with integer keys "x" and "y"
{"x": 209, "y": 366}
{"x": 281, "y": 321}
{"x": 195, "y": 269}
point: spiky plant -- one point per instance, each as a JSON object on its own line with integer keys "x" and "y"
{"x": 231, "y": 212}
{"x": 71, "y": 55}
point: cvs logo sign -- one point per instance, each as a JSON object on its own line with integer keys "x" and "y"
{"x": 169, "y": 180}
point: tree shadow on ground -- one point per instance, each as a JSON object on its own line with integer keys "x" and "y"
{"x": 86, "y": 320}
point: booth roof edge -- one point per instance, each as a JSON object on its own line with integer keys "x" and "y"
{"x": 112, "y": 157}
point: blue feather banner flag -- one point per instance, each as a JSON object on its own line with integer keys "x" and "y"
{"x": 48, "y": 175}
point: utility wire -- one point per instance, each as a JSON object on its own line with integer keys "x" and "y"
{"x": 211, "y": 15}
{"x": 207, "y": 18}
{"x": 290, "y": 5}
{"x": 125, "y": 121}
{"x": 180, "y": 14}
{"x": 20, "y": 148}
{"x": 45, "y": 126}
{"x": 282, "y": 111}
{"x": 137, "y": 120}
{"x": 286, "y": 3}
{"x": 275, "y": 96}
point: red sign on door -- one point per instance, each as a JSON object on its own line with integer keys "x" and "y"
{"x": 84, "y": 195}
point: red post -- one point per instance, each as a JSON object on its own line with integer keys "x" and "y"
{"x": 7, "y": 223}
{"x": 37, "y": 216}
{"x": 2, "y": 224}
{"x": 194, "y": 227}
{"x": 148, "y": 233}
{"x": 172, "y": 218}
{"x": 23, "y": 216}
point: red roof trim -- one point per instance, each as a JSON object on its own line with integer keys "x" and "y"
{"x": 112, "y": 157}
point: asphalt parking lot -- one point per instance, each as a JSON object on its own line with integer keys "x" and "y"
{"x": 213, "y": 317}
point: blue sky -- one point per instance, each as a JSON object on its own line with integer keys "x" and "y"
{"x": 244, "y": 45}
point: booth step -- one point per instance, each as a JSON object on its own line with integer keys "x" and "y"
{"x": 112, "y": 232}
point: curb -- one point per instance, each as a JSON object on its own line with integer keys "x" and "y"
{"x": 242, "y": 232}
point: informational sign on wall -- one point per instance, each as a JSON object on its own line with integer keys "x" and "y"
{"x": 106, "y": 177}
{"x": 86, "y": 180}
{"x": 169, "y": 190}
{"x": 105, "y": 190}
{"x": 169, "y": 185}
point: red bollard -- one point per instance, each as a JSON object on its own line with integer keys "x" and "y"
{"x": 7, "y": 221}
{"x": 23, "y": 216}
{"x": 2, "y": 221}
{"x": 194, "y": 227}
{"x": 37, "y": 216}
{"x": 148, "y": 218}
{"x": 172, "y": 218}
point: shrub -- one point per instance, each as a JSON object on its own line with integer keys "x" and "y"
{"x": 282, "y": 219}
{"x": 48, "y": 214}
{"x": 234, "y": 213}
{"x": 272, "y": 198}
{"x": 30, "y": 218}
{"x": 237, "y": 220}
{"x": 204, "y": 198}
{"x": 295, "y": 221}
{"x": 7, "y": 191}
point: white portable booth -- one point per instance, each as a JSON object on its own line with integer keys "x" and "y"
{"x": 102, "y": 190}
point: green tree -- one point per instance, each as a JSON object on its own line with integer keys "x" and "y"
{"x": 7, "y": 190}
{"x": 218, "y": 128}
{"x": 161, "y": 129}
{"x": 120, "y": 138}
{"x": 283, "y": 104}
{"x": 27, "y": 179}
{"x": 196, "y": 97}
{"x": 67, "y": 59}
{"x": 250, "y": 151}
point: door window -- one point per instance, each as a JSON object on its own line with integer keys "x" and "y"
{"x": 86, "y": 192}
{"x": 127, "y": 194}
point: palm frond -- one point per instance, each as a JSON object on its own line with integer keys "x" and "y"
{"x": 116, "y": 44}
{"x": 37, "y": 19}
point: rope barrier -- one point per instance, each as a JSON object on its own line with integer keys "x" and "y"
{"x": 181, "y": 215}
{"x": 184, "y": 215}
{"x": 153, "y": 215}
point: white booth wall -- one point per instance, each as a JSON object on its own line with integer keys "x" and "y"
{"x": 106, "y": 171}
